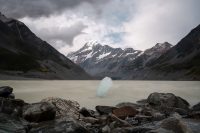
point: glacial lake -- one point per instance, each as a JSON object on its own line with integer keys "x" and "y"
{"x": 84, "y": 92}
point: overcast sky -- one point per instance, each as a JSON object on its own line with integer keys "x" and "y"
{"x": 140, "y": 24}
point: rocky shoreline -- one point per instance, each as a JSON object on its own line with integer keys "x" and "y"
{"x": 159, "y": 113}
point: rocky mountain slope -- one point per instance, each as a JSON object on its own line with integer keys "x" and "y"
{"x": 181, "y": 62}
{"x": 24, "y": 55}
{"x": 103, "y": 60}
{"x": 161, "y": 62}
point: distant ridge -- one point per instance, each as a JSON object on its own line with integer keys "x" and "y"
{"x": 103, "y": 60}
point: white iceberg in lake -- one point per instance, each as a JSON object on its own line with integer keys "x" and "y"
{"x": 104, "y": 87}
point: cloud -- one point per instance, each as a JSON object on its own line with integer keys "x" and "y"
{"x": 68, "y": 24}
{"x": 38, "y": 8}
{"x": 160, "y": 21}
{"x": 57, "y": 30}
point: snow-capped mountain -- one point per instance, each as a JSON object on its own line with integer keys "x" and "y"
{"x": 103, "y": 60}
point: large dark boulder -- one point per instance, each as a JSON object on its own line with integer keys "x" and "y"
{"x": 87, "y": 112}
{"x": 196, "y": 107}
{"x": 10, "y": 124}
{"x": 105, "y": 110}
{"x": 5, "y": 91}
{"x": 11, "y": 106}
{"x": 64, "y": 125}
{"x": 39, "y": 112}
{"x": 167, "y": 100}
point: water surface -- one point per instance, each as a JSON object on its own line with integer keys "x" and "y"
{"x": 85, "y": 91}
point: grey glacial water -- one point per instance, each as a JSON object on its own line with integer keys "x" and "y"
{"x": 85, "y": 91}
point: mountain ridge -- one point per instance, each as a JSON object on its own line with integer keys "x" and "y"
{"x": 103, "y": 60}
{"x": 23, "y": 54}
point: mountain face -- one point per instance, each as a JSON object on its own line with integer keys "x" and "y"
{"x": 181, "y": 62}
{"x": 25, "y": 55}
{"x": 101, "y": 61}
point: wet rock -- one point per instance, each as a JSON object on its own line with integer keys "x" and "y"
{"x": 124, "y": 112}
{"x": 167, "y": 100}
{"x": 105, "y": 129}
{"x": 90, "y": 120}
{"x": 131, "y": 130}
{"x": 143, "y": 119}
{"x": 11, "y": 96}
{"x": 10, "y": 124}
{"x": 157, "y": 116}
{"x": 142, "y": 102}
{"x": 5, "y": 91}
{"x": 39, "y": 112}
{"x": 62, "y": 125}
{"x": 193, "y": 124}
{"x": 64, "y": 107}
{"x": 175, "y": 125}
{"x": 105, "y": 110}
{"x": 194, "y": 114}
{"x": 134, "y": 105}
{"x": 87, "y": 112}
{"x": 196, "y": 107}
{"x": 120, "y": 130}
{"x": 11, "y": 106}
{"x": 181, "y": 111}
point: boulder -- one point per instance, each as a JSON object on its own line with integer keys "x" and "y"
{"x": 62, "y": 125}
{"x": 175, "y": 125}
{"x": 11, "y": 106}
{"x": 105, "y": 110}
{"x": 167, "y": 100}
{"x": 126, "y": 111}
{"x": 196, "y": 107}
{"x": 87, "y": 112}
{"x": 39, "y": 112}
{"x": 10, "y": 124}
{"x": 64, "y": 107}
{"x": 5, "y": 91}
{"x": 134, "y": 105}
{"x": 194, "y": 114}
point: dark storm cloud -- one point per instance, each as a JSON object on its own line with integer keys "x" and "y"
{"x": 37, "y": 8}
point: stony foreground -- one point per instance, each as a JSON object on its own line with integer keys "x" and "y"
{"x": 159, "y": 113}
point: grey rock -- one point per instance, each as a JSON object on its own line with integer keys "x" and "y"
{"x": 167, "y": 100}
{"x": 87, "y": 112}
{"x": 196, "y": 107}
{"x": 10, "y": 124}
{"x": 5, "y": 91}
{"x": 105, "y": 110}
{"x": 11, "y": 106}
{"x": 106, "y": 129}
{"x": 134, "y": 105}
{"x": 62, "y": 125}
{"x": 90, "y": 120}
{"x": 11, "y": 96}
{"x": 64, "y": 107}
{"x": 175, "y": 125}
{"x": 39, "y": 112}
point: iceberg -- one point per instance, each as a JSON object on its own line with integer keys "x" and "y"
{"x": 104, "y": 87}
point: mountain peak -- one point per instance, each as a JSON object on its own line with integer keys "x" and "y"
{"x": 91, "y": 43}
{"x": 165, "y": 44}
